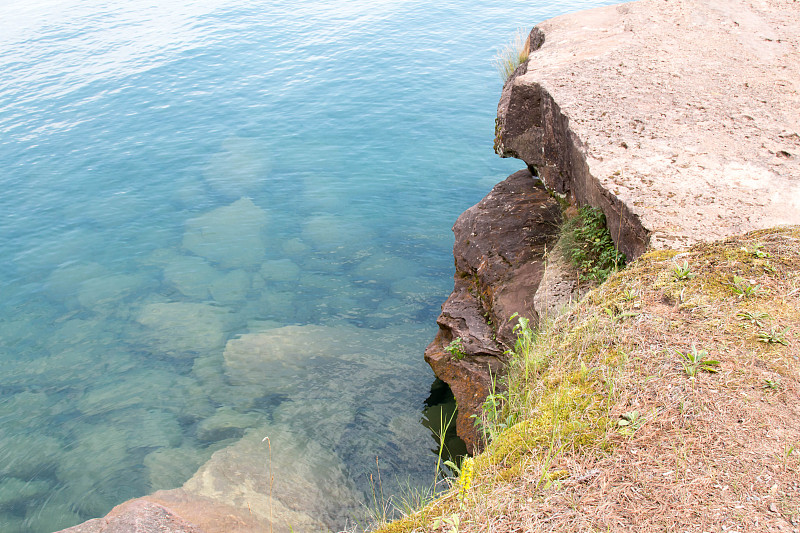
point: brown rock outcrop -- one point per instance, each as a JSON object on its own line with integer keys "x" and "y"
{"x": 679, "y": 119}
{"x": 136, "y": 516}
{"x": 499, "y": 247}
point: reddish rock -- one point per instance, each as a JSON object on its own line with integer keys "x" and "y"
{"x": 499, "y": 246}
{"x": 137, "y": 516}
{"x": 175, "y": 511}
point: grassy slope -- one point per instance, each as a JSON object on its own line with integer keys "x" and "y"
{"x": 607, "y": 431}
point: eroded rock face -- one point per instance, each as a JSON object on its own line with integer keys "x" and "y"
{"x": 678, "y": 119}
{"x": 499, "y": 246}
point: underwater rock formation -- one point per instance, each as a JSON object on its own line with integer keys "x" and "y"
{"x": 312, "y": 472}
{"x": 230, "y": 236}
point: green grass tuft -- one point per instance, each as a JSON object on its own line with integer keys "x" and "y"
{"x": 587, "y": 243}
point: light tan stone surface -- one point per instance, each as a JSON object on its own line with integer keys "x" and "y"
{"x": 679, "y": 118}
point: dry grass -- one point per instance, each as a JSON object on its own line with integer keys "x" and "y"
{"x": 714, "y": 452}
{"x": 512, "y": 55}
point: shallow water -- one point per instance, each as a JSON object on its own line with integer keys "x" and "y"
{"x": 185, "y": 183}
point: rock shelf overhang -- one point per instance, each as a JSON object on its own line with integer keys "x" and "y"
{"x": 680, "y": 119}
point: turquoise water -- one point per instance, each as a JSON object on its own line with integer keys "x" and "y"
{"x": 188, "y": 183}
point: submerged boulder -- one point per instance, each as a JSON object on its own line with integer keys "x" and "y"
{"x": 231, "y": 287}
{"x": 280, "y": 359}
{"x": 332, "y": 233}
{"x": 291, "y": 482}
{"x": 168, "y": 468}
{"x": 279, "y": 270}
{"x": 191, "y": 275}
{"x": 231, "y": 236}
{"x": 310, "y": 475}
{"x": 182, "y": 329}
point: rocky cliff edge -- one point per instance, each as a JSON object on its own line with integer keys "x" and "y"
{"x": 680, "y": 119}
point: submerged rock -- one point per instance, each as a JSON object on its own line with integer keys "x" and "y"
{"x": 294, "y": 248}
{"x": 230, "y": 236}
{"x": 191, "y": 275}
{"x": 105, "y": 292}
{"x": 332, "y": 233}
{"x": 499, "y": 249}
{"x": 289, "y": 481}
{"x": 323, "y": 439}
{"x": 88, "y": 470}
{"x": 279, "y": 270}
{"x": 182, "y": 329}
{"x": 63, "y": 284}
{"x": 281, "y": 359}
{"x": 26, "y": 455}
{"x": 52, "y": 517}
{"x": 226, "y": 423}
{"x": 417, "y": 289}
{"x": 148, "y": 428}
{"x": 13, "y": 490}
{"x": 231, "y": 287}
{"x": 392, "y": 311}
{"x": 169, "y": 468}
{"x": 384, "y": 267}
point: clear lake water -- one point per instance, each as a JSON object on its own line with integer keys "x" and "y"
{"x": 184, "y": 184}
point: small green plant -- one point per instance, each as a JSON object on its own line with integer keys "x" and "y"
{"x": 526, "y": 337}
{"x": 695, "y": 361}
{"x": 788, "y": 450}
{"x": 630, "y": 295}
{"x": 453, "y": 522}
{"x": 547, "y": 477}
{"x": 755, "y": 317}
{"x": 756, "y": 251}
{"x": 774, "y": 336}
{"x": 744, "y": 288}
{"x": 456, "y": 348}
{"x": 772, "y": 384}
{"x": 512, "y": 55}
{"x": 683, "y": 272}
{"x": 589, "y": 246}
{"x": 629, "y": 422}
{"x": 492, "y": 421}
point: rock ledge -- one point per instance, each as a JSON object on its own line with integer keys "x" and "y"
{"x": 680, "y": 119}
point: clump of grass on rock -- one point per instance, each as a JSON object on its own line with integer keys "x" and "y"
{"x": 512, "y": 55}
{"x": 609, "y": 431}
